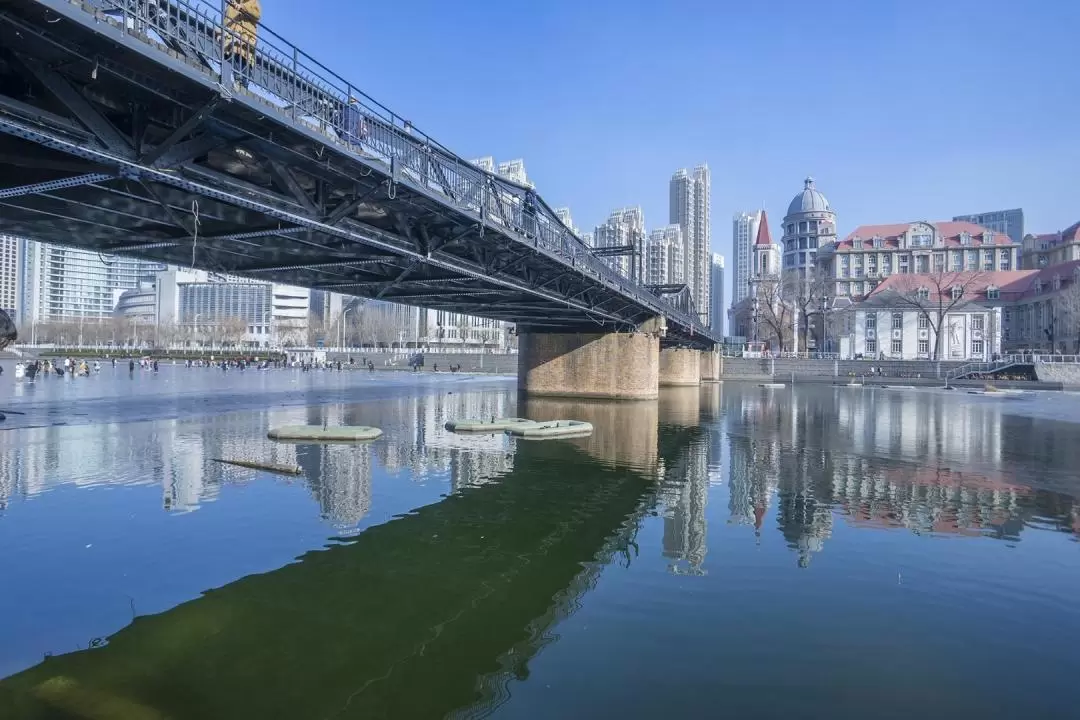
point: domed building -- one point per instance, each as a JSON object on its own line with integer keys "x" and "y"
{"x": 810, "y": 224}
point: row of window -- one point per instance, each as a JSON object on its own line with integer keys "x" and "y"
{"x": 810, "y": 226}
{"x": 923, "y": 347}
{"x": 977, "y": 321}
{"x": 801, "y": 244}
{"x": 954, "y": 255}
{"x": 789, "y": 259}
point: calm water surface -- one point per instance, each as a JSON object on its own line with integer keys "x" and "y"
{"x": 728, "y": 551}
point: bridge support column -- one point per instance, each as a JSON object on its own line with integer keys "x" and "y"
{"x": 680, "y": 366}
{"x": 710, "y": 366}
{"x": 594, "y": 365}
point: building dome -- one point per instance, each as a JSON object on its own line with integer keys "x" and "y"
{"x": 809, "y": 200}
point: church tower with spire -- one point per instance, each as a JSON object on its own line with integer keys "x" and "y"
{"x": 766, "y": 252}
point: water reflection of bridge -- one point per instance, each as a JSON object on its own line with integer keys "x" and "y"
{"x": 454, "y": 598}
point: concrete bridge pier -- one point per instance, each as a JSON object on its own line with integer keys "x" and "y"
{"x": 710, "y": 366}
{"x": 680, "y": 366}
{"x": 590, "y": 364}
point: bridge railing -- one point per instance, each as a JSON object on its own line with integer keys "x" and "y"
{"x": 312, "y": 95}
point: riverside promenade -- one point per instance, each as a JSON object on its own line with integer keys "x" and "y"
{"x": 1058, "y": 373}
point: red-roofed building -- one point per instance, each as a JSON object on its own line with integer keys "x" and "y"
{"x": 871, "y": 253}
{"x": 766, "y": 252}
{"x": 977, "y": 314}
{"x": 1048, "y": 249}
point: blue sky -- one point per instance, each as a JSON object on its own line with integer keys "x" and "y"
{"x": 900, "y": 110}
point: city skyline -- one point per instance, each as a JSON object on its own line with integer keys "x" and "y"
{"x": 958, "y": 154}
{"x": 1019, "y": 154}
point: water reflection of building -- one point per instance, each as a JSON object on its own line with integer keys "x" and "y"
{"x": 882, "y": 459}
{"x": 178, "y": 454}
{"x": 931, "y": 500}
{"x": 422, "y": 447}
{"x": 684, "y": 479}
{"x": 754, "y": 461}
{"x": 684, "y": 498}
{"x": 804, "y": 501}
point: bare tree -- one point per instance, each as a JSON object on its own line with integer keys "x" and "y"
{"x": 463, "y": 328}
{"x": 231, "y": 331}
{"x": 933, "y": 295}
{"x": 807, "y": 295}
{"x": 317, "y": 330}
{"x": 1066, "y": 314}
{"x": 374, "y": 324}
{"x": 167, "y": 334}
{"x": 775, "y": 313}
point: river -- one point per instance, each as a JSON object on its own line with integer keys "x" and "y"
{"x": 812, "y": 551}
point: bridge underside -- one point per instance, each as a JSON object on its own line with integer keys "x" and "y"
{"x": 105, "y": 147}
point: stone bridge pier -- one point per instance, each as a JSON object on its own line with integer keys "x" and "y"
{"x": 680, "y": 367}
{"x": 608, "y": 365}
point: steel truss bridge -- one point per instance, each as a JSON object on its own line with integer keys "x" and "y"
{"x": 123, "y": 131}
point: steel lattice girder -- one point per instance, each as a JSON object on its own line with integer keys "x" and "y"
{"x": 536, "y": 278}
{"x": 373, "y": 237}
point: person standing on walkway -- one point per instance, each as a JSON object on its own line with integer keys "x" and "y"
{"x": 241, "y": 34}
{"x": 355, "y": 124}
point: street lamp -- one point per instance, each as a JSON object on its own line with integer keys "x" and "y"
{"x": 755, "y": 306}
{"x": 824, "y": 332}
{"x": 343, "y": 314}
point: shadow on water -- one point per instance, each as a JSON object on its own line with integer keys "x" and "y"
{"x": 426, "y": 614}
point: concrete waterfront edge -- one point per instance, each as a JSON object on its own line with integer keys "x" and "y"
{"x": 921, "y": 373}
{"x": 784, "y": 368}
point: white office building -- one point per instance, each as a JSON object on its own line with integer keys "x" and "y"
{"x": 744, "y": 231}
{"x": 9, "y": 274}
{"x": 625, "y": 228}
{"x": 717, "y": 311}
{"x": 442, "y": 329}
{"x": 197, "y": 304}
{"x": 887, "y": 326}
{"x": 689, "y": 206}
{"x": 513, "y": 170}
{"x": 664, "y": 256}
{"x": 62, "y": 284}
{"x": 563, "y": 213}
{"x": 1006, "y": 222}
